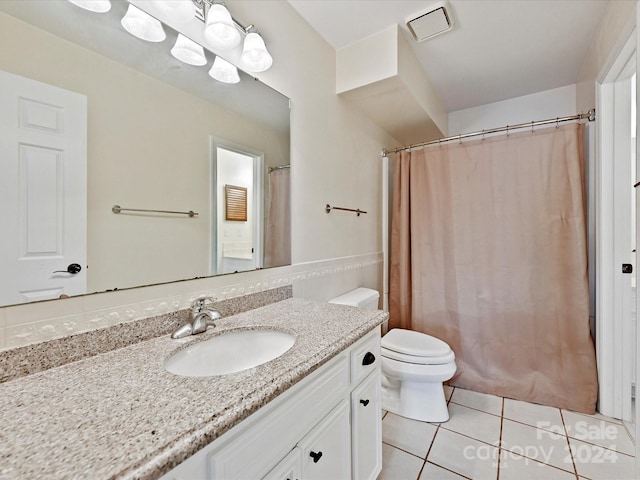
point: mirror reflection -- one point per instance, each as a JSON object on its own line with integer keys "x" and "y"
{"x": 94, "y": 118}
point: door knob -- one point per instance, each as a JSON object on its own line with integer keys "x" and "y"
{"x": 73, "y": 268}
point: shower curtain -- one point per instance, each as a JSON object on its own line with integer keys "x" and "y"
{"x": 489, "y": 253}
{"x": 277, "y": 249}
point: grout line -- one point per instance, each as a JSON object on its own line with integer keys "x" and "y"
{"x": 538, "y": 461}
{"x": 604, "y": 418}
{"x": 402, "y": 450}
{"x": 448, "y": 470}
{"x": 566, "y": 433}
{"x": 468, "y": 436}
{"x": 474, "y": 408}
{"x": 500, "y": 440}
{"x": 537, "y": 428}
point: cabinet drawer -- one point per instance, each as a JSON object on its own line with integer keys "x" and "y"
{"x": 365, "y": 356}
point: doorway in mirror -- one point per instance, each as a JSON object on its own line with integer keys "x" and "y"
{"x": 237, "y": 208}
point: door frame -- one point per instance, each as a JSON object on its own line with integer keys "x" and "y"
{"x": 258, "y": 199}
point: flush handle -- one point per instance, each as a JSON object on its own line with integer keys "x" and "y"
{"x": 315, "y": 456}
{"x": 368, "y": 359}
{"x": 627, "y": 268}
{"x": 364, "y": 402}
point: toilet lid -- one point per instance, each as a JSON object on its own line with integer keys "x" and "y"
{"x": 409, "y": 342}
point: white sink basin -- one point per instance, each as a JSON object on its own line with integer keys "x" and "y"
{"x": 229, "y": 352}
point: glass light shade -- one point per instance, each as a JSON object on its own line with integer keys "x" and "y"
{"x": 188, "y": 51}
{"x": 141, "y": 25}
{"x": 223, "y": 71}
{"x": 219, "y": 31}
{"x": 98, "y": 6}
{"x": 255, "y": 56}
{"x": 179, "y": 10}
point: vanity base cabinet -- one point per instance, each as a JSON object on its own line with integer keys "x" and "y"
{"x": 366, "y": 429}
{"x": 326, "y": 450}
{"x": 307, "y": 432}
{"x": 289, "y": 468}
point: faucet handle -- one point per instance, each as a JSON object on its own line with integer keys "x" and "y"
{"x": 199, "y": 303}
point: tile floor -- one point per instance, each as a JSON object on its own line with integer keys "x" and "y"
{"x": 490, "y": 437}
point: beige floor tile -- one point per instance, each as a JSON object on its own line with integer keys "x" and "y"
{"x": 464, "y": 455}
{"x": 539, "y": 416}
{"x": 480, "y": 401}
{"x": 397, "y": 464}
{"x": 595, "y": 430}
{"x": 410, "y": 435}
{"x": 434, "y": 472}
{"x": 474, "y": 423}
{"x": 597, "y": 463}
{"x": 516, "y": 467}
{"x": 537, "y": 444}
{"x": 597, "y": 416}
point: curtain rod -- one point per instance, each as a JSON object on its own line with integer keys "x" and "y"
{"x": 590, "y": 115}
{"x": 279, "y": 167}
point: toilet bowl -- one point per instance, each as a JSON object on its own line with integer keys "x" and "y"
{"x": 414, "y": 365}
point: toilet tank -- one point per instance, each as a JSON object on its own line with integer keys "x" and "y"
{"x": 360, "y": 297}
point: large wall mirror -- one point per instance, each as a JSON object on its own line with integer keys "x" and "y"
{"x": 158, "y": 135}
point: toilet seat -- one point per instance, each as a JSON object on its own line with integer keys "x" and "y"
{"x": 415, "y": 347}
{"x": 418, "y": 360}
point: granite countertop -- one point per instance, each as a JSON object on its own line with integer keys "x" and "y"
{"x": 121, "y": 415}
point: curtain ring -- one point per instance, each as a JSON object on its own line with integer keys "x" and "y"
{"x": 557, "y": 122}
{"x": 507, "y": 130}
{"x": 532, "y": 126}
{"x": 460, "y": 138}
{"x": 483, "y": 134}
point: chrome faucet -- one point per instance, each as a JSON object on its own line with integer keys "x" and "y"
{"x": 201, "y": 318}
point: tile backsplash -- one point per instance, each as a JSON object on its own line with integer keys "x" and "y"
{"x": 319, "y": 280}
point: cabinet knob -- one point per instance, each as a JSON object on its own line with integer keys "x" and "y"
{"x": 315, "y": 456}
{"x": 368, "y": 359}
{"x": 364, "y": 402}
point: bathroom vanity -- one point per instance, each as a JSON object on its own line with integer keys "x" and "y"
{"x": 328, "y": 426}
{"x": 313, "y": 412}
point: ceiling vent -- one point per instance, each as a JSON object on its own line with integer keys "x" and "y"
{"x": 430, "y": 23}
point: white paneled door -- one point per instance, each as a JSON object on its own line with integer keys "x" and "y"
{"x": 43, "y": 191}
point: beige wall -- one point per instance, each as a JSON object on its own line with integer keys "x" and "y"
{"x": 613, "y": 31}
{"x": 335, "y": 156}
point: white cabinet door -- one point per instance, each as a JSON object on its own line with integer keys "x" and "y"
{"x": 326, "y": 450}
{"x": 366, "y": 429}
{"x": 289, "y": 468}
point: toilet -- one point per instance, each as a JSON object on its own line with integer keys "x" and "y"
{"x": 414, "y": 366}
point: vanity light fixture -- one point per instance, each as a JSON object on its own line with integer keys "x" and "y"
{"x": 188, "y": 51}
{"x": 255, "y": 56}
{"x": 98, "y": 6}
{"x": 224, "y": 71}
{"x": 220, "y": 30}
{"x": 180, "y": 10}
{"x": 142, "y": 25}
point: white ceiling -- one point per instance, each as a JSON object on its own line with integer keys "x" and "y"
{"x": 497, "y": 49}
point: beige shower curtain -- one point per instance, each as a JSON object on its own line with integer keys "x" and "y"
{"x": 277, "y": 249}
{"x": 489, "y": 253}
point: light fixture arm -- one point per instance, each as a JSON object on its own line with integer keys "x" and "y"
{"x": 203, "y": 6}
